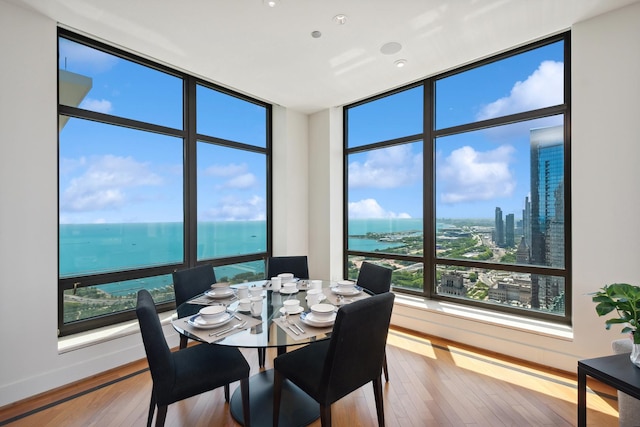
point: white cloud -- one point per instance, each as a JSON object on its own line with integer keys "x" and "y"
{"x": 231, "y": 169}
{"x": 541, "y": 89}
{"x": 238, "y": 176}
{"x": 370, "y": 208}
{"x": 387, "y": 168}
{"x": 246, "y": 180}
{"x": 104, "y": 183}
{"x": 234, "y": 209}
{"x": 97, "y": 105}
{"x": 468, "y": 175}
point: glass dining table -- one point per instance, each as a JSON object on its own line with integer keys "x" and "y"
{"x": 270, "y": 329}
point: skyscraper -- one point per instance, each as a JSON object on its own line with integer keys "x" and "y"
{"x": 498, "y": 237}
{"x": 547, "y": 211}
{"x": 509, "y": 231}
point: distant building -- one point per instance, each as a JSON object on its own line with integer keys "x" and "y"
{"x": 452, "y": 284}
{"x": 512, "y": 290}
{"x": 547, "y": 212}
{"x": 522, "y": 253}
{"x": 526, "y": 222}
{"x": 509, "y": 231}
{"x": 498, "y": 236}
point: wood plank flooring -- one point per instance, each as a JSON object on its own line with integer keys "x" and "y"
{"x": 433, "y": 382}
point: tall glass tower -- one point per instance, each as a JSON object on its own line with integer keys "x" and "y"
{"x": 547, "y": 212}
{"x": 499, "y": 228}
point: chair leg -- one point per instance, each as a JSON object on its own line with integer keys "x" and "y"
{"x": 152, "y": 408}
{"x": 226, "y": 393}
{"x": 261, "y": 356}
{"x": 377, "y": 393}
{"x": 246, "y": 409}
{"x": 183, "y": 341}
{"x": 162, "y": 415}
{"x": 277, "y": 394}
{"x": 325, "y": 415}
{"x": 385, "y": 368}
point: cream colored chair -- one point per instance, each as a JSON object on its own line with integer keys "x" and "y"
{"x": 628, "y": 407}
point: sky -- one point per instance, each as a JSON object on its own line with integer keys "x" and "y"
{"x": 475, "y": 172}
{"x": 112, "y": 174}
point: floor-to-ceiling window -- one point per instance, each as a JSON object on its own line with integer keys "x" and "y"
{"x": 460, "y": 183}
{"x": 158, "y": 171}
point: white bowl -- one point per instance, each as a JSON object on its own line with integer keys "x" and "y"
{"x": 255, "y": 291}
{"x": 346, "y": 283}
{"x": 220, "y": 285}
{"x": 289, "y": 287}
{"x": 212, "y": 312}
{"x": 286, "y": 277}
{"x": 322, "y": 311}
{"x": 291, "y": 305}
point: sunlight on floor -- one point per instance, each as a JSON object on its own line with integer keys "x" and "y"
{"x": 521, "y": 376}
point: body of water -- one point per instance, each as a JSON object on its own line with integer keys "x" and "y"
{"x": 99, "y": 248}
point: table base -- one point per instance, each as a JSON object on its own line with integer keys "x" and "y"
{"x": 296, "y": 409}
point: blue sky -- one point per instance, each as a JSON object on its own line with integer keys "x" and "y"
{"x": 110, "y": 174}
{"x": 475, "y": 172}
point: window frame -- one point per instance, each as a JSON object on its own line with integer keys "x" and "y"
{"x": 429, "y": 137}
{"x": 190, "y": 137}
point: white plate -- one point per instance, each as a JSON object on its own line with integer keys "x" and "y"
{"x": 346, "y": 291}
{"x": 287, "y": 292}
{"x": 220, "y": 294}
{"x": 197, "y": 321}
{"x": 296, "y": 311}
{"x": 311, "y": 320}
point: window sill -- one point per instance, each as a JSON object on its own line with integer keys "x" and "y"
{"x": 477, "y": 315}
{"x": 488, "y": 317}
{"x": 105, "y": 334}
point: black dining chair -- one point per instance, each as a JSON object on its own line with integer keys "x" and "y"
{"x": 374, "y": 278}
{"x": 189, "y": 283}
{"x": 188, "y": 372}
{"x": 377, "y": 280}
{"x": 329, "y": 370}
{"x": 298, "y": 265}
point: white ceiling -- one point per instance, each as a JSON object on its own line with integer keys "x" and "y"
{"x": 269, "y": 52}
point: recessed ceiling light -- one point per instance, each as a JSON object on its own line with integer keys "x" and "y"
{"x": 271, "y": 3}
{"x": 400, "y": 63}
{"x": 340, "y": 19}
{"x": 316, "y": 34}
{"x": 390, "y": 48}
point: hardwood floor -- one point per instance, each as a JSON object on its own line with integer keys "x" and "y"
{"x": 433, "y": 382}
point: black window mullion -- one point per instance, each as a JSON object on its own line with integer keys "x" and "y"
{"x": 428, "y": 198}
{"x": 190, "y": 175}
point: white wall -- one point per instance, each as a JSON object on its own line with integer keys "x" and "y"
{"x": 290, "y": 183}
{"x": 325, "y": 194}
{"x": 606, "y": 205}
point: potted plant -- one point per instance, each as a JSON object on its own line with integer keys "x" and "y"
{"x": 625, "y": 300}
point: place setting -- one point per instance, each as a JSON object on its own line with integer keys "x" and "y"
{"x": 215, "y": 322}
{"x": 300, "y": 324}
{"x": 220, "y": 293}
{"x": 344, "y": 292}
